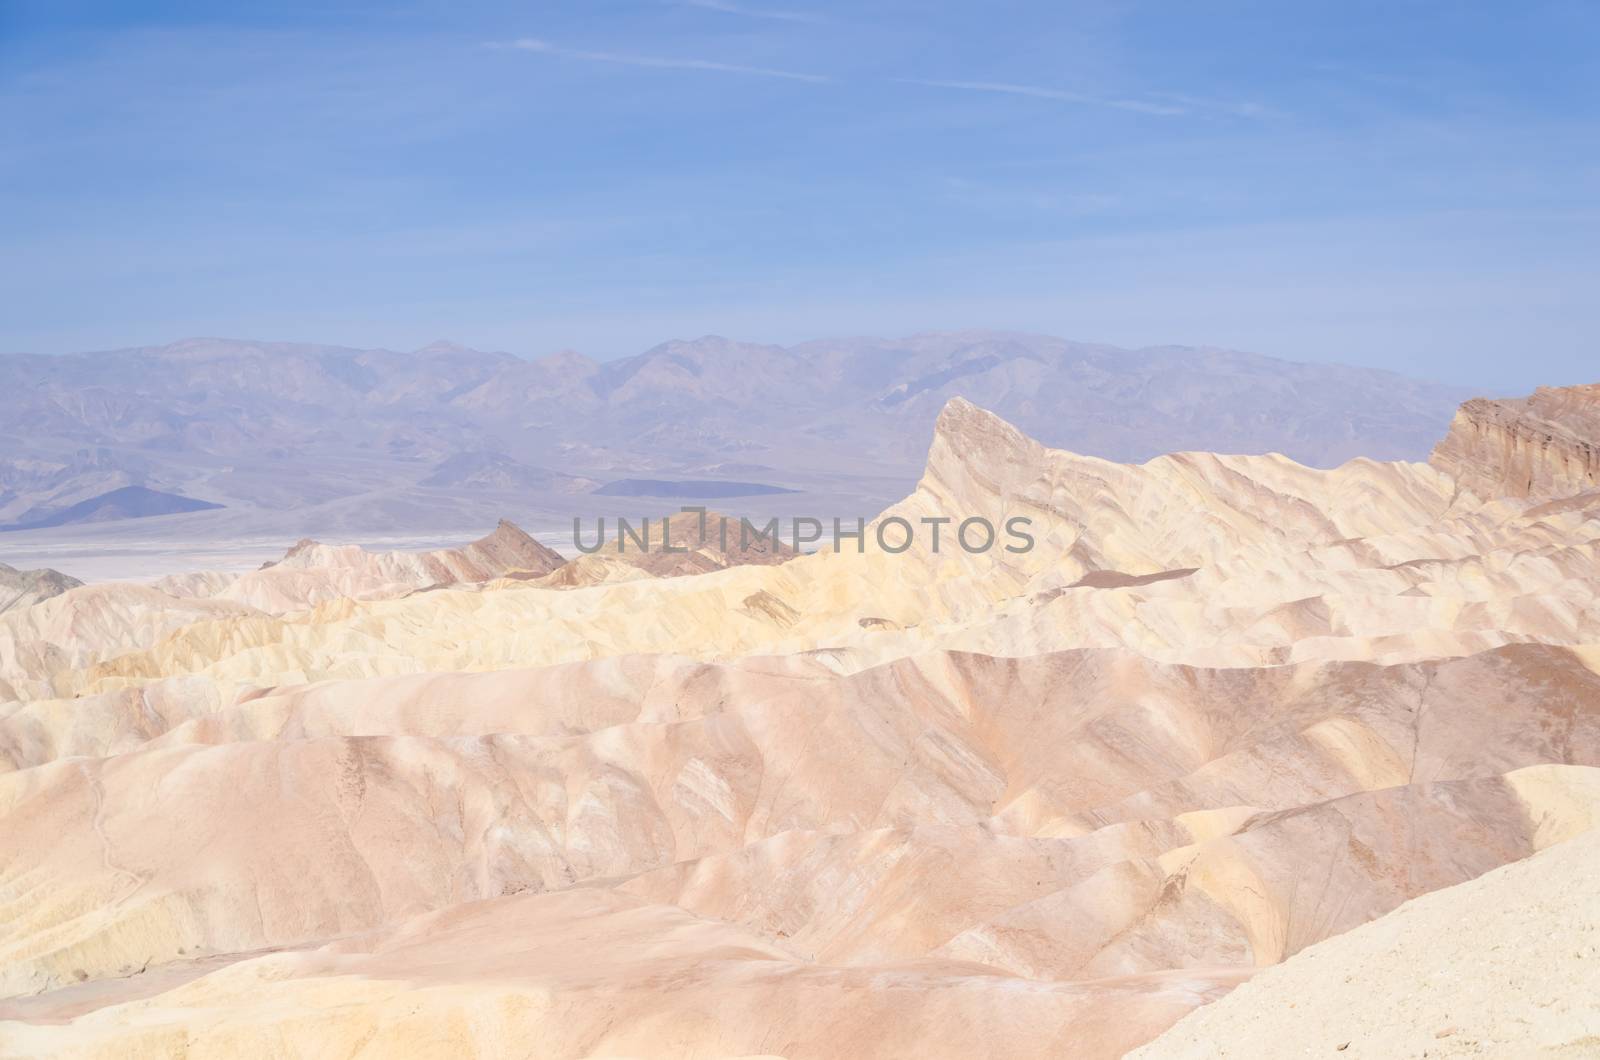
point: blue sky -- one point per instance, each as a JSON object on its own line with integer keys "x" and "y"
{"x": 1404, "y": 184}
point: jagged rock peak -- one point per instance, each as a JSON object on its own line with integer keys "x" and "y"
{"x": 513, "y": 548}
{"x": 966, "y": 430}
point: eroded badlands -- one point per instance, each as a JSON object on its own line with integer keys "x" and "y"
{"x": 483, "y": 803}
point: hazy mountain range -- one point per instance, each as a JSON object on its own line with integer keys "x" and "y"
{"x": 292, "y": 438}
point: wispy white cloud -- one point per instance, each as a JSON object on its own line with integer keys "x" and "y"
{"x": 1005, "y": 88}
{"x": 1232, "y": 108}
{"x": 1169, "y": 104}
{"x": 730, "y": 8}
{"x": 530, "y": 44}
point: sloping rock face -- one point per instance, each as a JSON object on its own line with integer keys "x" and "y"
{"x": 1546, "y": 445}
{"x": 508, "y": 548}
{"x": 934, "y": 801}
{"x": 24, "y": 588}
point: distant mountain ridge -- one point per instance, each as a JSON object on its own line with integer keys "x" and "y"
{"x": 370, "y": 439}
{"x": 686, "y": 488}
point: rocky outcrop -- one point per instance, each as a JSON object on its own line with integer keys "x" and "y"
{"x": 312, "y": 573}
{"x": 23, "y": 588}
{"x": 687, "y": 542}
{"x": 507, "y": 548}
{"x": 1543, "y": 446}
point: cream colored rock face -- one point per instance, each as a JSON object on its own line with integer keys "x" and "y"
{"x": 939, "y": 803}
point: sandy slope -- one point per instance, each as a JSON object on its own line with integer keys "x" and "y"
{"x": 1505, "y": 966}
{"x": 587, "y": 973}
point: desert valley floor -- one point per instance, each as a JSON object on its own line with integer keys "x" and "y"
{"x": 1242, "y": 759}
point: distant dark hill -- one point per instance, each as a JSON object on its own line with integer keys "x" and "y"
{"x": 129, "y": 502}
{"x": 649, "y": 487}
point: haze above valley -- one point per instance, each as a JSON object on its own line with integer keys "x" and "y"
{"x": 418, "y": 449}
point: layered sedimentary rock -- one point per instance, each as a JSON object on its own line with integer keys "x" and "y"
{"x": 1090, "y": 760}
{"x": 1366, "y": 561}
{"x": 45, "y": 649}
{"x": 1546, "y": 445}
{"x": 936, "y": 802}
